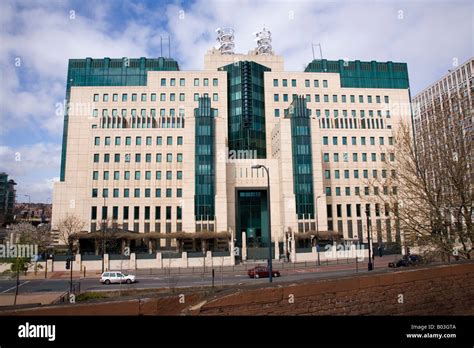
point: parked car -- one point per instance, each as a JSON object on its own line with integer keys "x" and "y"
{"x": 116, "y": 277}
{"x": 411, "y": 260}
{"x": 261, "y": 272}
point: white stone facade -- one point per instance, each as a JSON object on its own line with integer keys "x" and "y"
{"x": 83, "y": 175}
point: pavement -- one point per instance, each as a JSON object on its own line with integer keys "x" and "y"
{"x": 37, "y": 289}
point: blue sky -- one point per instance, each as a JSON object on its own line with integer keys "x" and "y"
{"x": 38, "y": 37}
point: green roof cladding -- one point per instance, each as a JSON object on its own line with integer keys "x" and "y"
{"x": 109, "y": 72}
{"x": 359, "y": 74}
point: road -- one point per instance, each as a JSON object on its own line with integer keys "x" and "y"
{"x": 187, "y": 280}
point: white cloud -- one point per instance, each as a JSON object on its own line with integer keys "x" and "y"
{"x": 33, "y": 167}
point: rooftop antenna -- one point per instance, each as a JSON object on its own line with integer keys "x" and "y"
{"x": 169, "y": 46}
{"x": 264, "y": 41}
{"x": 225, "y": 40}
{"x": 320, "y": 50}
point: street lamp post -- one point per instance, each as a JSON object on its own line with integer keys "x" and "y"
{"x": 270, "y": 269}
{"x": 370, "y": 265}
{"x": 317, "y": 229}
{"x": 103, "y": 236}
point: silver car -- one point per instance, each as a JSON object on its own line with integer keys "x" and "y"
{"x": 116, "y": 277}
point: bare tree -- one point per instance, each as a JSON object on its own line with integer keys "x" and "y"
{"x": 69, "y": 228}
{"x": 28, "y": 234}
{"x": 428, "y": 189}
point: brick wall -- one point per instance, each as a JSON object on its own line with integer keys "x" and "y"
{"x": 439, "y": 290}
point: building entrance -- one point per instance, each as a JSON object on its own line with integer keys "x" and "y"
{"x": 252, "y": 217}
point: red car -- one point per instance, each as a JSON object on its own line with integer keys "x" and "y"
{"x": 261, "y": 272}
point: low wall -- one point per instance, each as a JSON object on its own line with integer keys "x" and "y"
{"x": 132, "y": 263}
{"x": 439, "y": 290}
{"x": 332, "y": 253}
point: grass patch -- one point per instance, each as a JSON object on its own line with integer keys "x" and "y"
{"x": 90, "y": 296}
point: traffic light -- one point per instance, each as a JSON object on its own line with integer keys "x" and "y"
{"x": 68, "y": 264}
